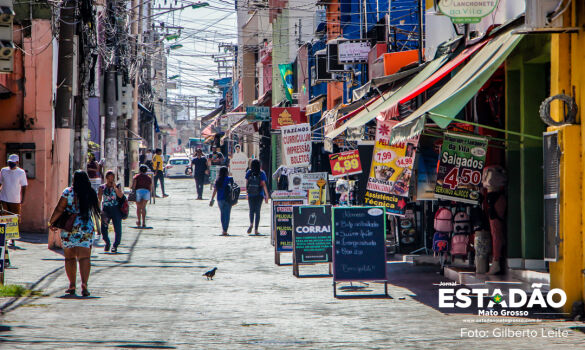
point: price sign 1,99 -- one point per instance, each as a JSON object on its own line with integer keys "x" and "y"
{"x": 345, "y": 163}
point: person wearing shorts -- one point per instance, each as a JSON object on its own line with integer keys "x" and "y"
{"x": 142, "y": 184}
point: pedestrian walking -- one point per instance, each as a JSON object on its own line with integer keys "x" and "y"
{"x": 142, "y": 185}
{"x": 157, "y": 164}
{"x": 80, "y": 203}
{"x": 94, "y": 171}
{"x": 257, "y": 191}
{"x": 13, "y": 185}
{"x": 148, "y": 159}
{"x": 108, "y": 195}
{"x": 200, "y": 169}
{"x": 221, "y": 186}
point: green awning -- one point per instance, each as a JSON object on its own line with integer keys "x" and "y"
{"x": 444, "y": 105}
{"x": 390, "y": 98}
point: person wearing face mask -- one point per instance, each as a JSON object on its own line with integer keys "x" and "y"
{"x": 13, "y": 184}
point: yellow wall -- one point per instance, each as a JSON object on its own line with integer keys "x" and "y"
{"x": 568, "y": 72}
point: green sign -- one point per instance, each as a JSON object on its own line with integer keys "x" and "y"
{"x": 467, "y": 11}
{"x": 258, "y": 113}
{"x": 461, "y": 164}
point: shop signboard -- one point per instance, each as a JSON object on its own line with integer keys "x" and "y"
{"x": 238, "y": 167}
{"x": 312, "y": 234}
{"x": 315, "y": 184}
{"x": 353, "y": 51}
{"x": 282, "y": 116}
{"x": 461, "y": 164}
{"x": 345, "y": 163}
{"x": 467, "y": 11}
{"x": 296, "y": 144}
{"x": 258, "y": 113}
{"x": 359, "y": 244}
{"x": 11, "y": 221}
{"x": 391, "y": 170}
{"x": 314, "y": 107}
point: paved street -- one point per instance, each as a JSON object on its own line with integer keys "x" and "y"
{"x": 152, "y": 295}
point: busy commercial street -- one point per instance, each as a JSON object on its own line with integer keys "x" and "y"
{"x": 152, "y": 295}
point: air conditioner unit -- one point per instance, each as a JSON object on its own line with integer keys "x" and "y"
{"x": 546, "y": 16}
{"x": 6, "y": 49}
{"x": 6, "y": 15}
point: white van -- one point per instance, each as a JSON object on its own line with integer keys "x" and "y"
{"x": 178, "y": 166}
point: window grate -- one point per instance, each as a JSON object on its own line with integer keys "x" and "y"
{"x": 552, "y": 174}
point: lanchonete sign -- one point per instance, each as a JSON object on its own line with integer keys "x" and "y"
{"x": 467, "y": 11}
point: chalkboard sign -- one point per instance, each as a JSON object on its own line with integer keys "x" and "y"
{"x": 359, "y": 244}
{"x": 283, "y": 219}
{"x": 312, "y": 234}
{"x": 283, "y": 202}
{"x": 2, "y": 248}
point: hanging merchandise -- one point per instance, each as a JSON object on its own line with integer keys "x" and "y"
{"x": 461, "y": 163}
{"x": 391, "y": 170}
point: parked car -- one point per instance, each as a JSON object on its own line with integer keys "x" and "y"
{"x": 178, "y": 167}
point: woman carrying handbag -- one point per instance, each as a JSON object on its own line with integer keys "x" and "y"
{"x": 109, "y": 196}
{"x": 76, "y": 215}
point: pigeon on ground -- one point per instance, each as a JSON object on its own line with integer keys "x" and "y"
{"x": 209, "y": 274}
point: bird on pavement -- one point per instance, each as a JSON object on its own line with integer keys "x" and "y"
{"x": 209, "y": 274}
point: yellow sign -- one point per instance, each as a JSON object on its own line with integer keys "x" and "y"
{"x": 11, "y": 222}
{"x": 285, "y": 118}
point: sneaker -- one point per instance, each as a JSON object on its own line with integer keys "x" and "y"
{"x": 114, "y": 250}
{"x": 107, "y": 248}
{"x": 165, "y": 195}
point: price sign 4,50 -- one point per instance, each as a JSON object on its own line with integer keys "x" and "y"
{"x": 467, "y": 176}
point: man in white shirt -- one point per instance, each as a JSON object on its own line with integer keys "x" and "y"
{"x": 12, "y": 186}
{"x": 12, "y": 191}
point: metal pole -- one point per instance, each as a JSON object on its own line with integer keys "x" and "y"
{"x": 137, "y": 32}
{"x": 420, "y": 31}
{"x": 111, "y": 105}
{"x": 64, "y": 99}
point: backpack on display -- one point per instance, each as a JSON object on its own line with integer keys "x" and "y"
{"x": 232, "y": 193}
{"x": 253, "y": 187}
{"x": 440, "y": 242}
{"x": 459, "y": 245}
{"x": 443, "y": 220}
{"x": 461, "y": 223}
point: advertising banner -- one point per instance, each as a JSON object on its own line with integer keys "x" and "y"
{"x": 426, "y": 169}
{"x": 467, "y": 11}
{"x": 460, "y": 170}
{"x": 296, "y": 144}
{"x": 391, "y": 170}
{"x": 283, "y": 225}
{"x": 345, "y": 163}
{"x": 238, "y": 167}
{"x": 315, "y": 184}
{"x": 11, "y": 221}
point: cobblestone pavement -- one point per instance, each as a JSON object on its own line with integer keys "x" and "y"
{"x": 153, "y": 295}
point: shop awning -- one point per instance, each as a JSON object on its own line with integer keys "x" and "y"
{"x": 212, "y": 115}
{"x": 389, "y": 98}
{"x": 443, "y": 106}
{"x": 376, "y": 82}
{"x": 234, "y": 126}
{"x": 264, "y": 99}
{"x": 392, "y": 110}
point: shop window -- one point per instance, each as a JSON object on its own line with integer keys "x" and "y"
{"x": 26, "y": 153}
{"x": 552, "y": 157}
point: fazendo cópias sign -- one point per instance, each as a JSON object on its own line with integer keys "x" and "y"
{"x": 467, "y": 11}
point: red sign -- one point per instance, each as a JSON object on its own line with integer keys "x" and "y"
{"x": 282, "y": 116}
{"x": 345, "y": 163}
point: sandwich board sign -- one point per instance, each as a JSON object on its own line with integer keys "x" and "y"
{"x": 311, "y": 235}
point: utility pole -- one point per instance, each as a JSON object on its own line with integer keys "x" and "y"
{"x": 64, "y": 99}
{"x": 421, "y": 13}
{"x": 111, "y": 82}
{"x": 137, "y": 32}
